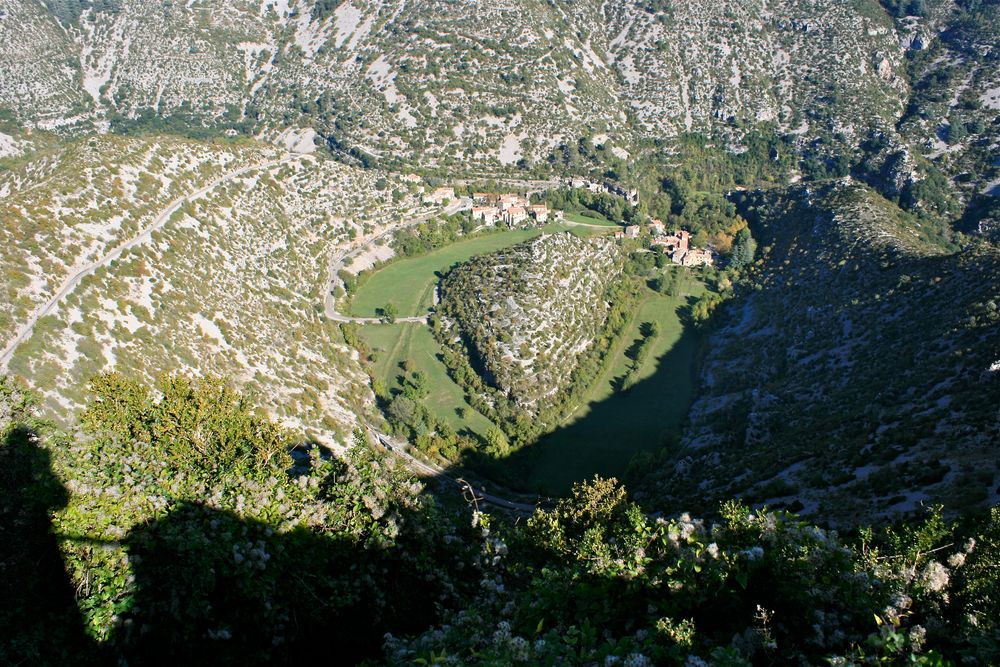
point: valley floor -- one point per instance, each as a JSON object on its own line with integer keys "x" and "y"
{"x": 608, "y": 429}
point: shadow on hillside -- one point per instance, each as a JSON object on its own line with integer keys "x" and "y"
{"x": 209, "y": 587}
{"x": 39, "y": 620}
{"x": 645, "y": 418}
{"x": 214, "y": 589}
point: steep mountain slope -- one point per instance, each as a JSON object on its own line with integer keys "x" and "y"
{"x": 39, "y": 72}
{"x": 861, "y": 377}
{"x": 449, "y": 81}
{"x": 953, "y": 115}
{"x": 478, "y": 87}
{"x": 66, "y": 208}
{"x": 702, "y": 65}
{"x": 230, "y": 283}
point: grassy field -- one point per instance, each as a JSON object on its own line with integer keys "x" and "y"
{"x": 409, "y": 283}
{"x": 606, "y": 431}
{"x": 394, "y": 343}
{"x": 602, "y": 436}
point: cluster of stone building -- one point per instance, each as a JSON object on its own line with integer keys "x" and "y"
{"x": 676, "y": 245}
{"x": 631, "y": 196}
{"x": 514, "y": 209}
{"x": 509, "y": 208}
{"x": 491, "y": 207}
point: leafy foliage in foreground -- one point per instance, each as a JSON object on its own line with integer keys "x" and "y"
{"x": 235, "y": 555}
{"x": 598, "y": 582}
{"x": 189, "y": 534}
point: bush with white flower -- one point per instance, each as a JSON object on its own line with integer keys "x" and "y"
{"x": 597, "y": 581}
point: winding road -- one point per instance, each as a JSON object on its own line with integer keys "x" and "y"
{"x": 158, "y": 222}
{"x": 337, "y": 263}
{"x": 398, "y": 449}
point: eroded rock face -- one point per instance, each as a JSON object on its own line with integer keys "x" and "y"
{"x": 528, "y": 312}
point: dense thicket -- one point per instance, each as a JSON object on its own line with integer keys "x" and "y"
{"x": 176, "y": 527}
{"x": 598, "y": 582}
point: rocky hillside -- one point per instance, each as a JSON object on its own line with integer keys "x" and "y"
{"x": 452, "y": 81}
{"x": 526, "y": 314}
{"x": 861, "y": 377}
{"x": 66, "y": 208}
{"x": 952, "y": 113}
{"x": 905, "y": 95}
{"x": 230, "y": 282}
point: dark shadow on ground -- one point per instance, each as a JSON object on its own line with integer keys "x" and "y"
{"x": 39, "y": 620}
{"x": 214, "y": 589}
{"x": 645, "y": 418}
{"x": 211, "y": 588}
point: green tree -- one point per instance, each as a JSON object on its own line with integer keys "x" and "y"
{"x": 744, "y": 249}
{"x": 416, "y": 386}
{"x": 496, "y": 442}
{"x": 403, "y": 411}
{"x": 956, "y": 129}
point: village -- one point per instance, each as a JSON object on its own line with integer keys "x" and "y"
{"x": 516, "y": 210}
{"x": 676, "y": 245}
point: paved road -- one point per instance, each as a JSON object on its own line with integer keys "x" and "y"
{"x": 401, "y": 450}
{"x": 74, "y": 280}
{"x": 337, "y": 262}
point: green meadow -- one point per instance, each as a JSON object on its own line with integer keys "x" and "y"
{"x": 395, "y": 343}
{"x": 608, "y": 428}
{"x": 590, "y": 220}
{"x": 409, "y": 283}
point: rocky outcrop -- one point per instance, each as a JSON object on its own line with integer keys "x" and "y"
{"x": 527, "y": 313}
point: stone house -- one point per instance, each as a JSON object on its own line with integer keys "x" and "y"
{"x": 515, "y": 215}
{"x": 508, "y": 200}
{"x": 439, "y": 196}
{"x": 539, "y": 212}
{"x": 486, "y": 198}
{"x": 488, "y": 214}
{"x": 697, "y": 257}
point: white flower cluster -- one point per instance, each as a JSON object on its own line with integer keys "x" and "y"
{"x": 637, "y": 660}
{"x": 934, "y": 577}
{"x": 251, "y": 554}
